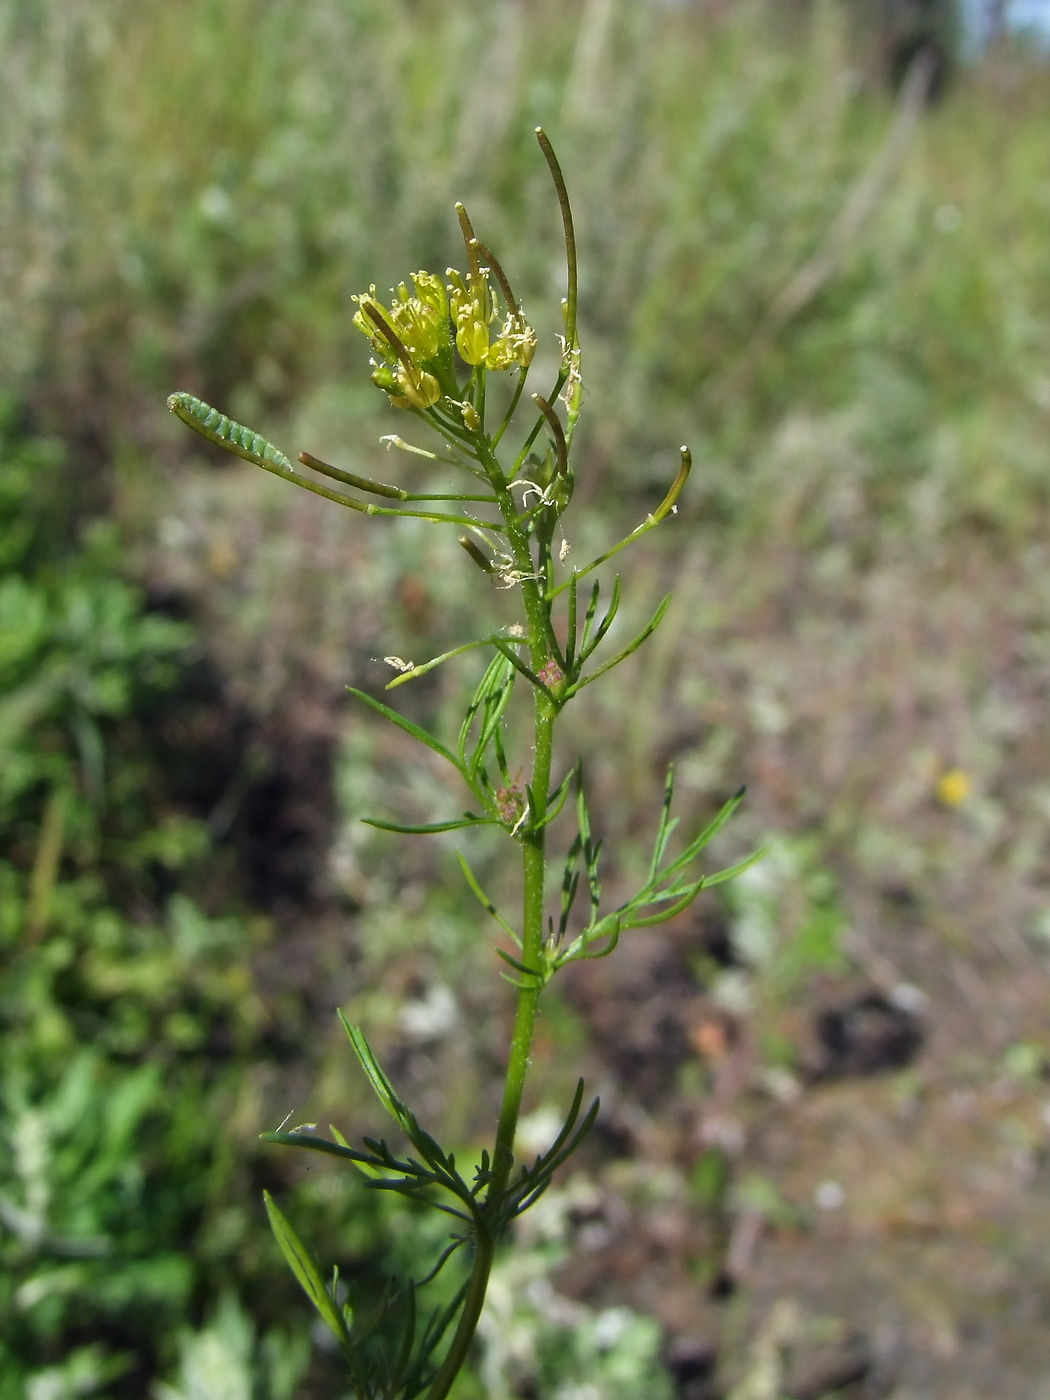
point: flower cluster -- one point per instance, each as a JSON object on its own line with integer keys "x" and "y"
{"x": 510, "y": 804}
{"x": 414, "y": 338}
{"x": 551, "y": 674}
{"x": 473, "y": 313}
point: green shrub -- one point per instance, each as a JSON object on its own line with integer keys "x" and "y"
{"x": 125, "y": 1011}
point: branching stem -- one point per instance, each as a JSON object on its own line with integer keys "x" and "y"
{"x": 534, "y": 868}
{"x": 416, "y": 343}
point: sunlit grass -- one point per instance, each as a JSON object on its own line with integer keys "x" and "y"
{"x": 192, "y": 192}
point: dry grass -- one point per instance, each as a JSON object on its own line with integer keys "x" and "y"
{"x": 860, "y": 572}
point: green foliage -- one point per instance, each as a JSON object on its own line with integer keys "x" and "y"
{"x": 75, "y": 646}
{"x": 787, "y": 926}
{"x": 124, "y": 1009}
{"x": 787, "y": 922}
{"x": 224, "y": 1361}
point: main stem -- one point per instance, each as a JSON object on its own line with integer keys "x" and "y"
{"x": 534, "y": 869}
{"x": 534, "y": 866}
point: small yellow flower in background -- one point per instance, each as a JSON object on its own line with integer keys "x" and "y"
{"x": 954, "y": 787}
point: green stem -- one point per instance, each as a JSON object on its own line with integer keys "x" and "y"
{"x": 468, "y": 1320}
{"x": 534, "y": 868}
{"x": 534, "y": 865}
{"x": 513, "y": 407}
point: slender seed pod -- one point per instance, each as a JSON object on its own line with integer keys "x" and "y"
{"x": 224, "y": 432}
{"x": 475, "y": 553}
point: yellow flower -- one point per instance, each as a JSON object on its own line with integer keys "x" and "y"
{"x": 422, "y": 321}
{"x": 472, "y": 314}
{"x": 417, "y": 390}
{"x": 364, "y": 323}
{"x": 954, "y": 787}
{"x": 419, "y": 334}
{"x": 516, "y": 345}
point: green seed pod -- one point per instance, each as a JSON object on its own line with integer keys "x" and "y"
{"x": 224, "y": 432}
{"x": 475, "y": 553}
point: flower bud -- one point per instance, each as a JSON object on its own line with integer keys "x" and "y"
{"x": 384, "y": 378}
{"x": 365, "y": 324}
{"x": 551, "y": 674}
{"x": 510, "y": 804}
{"x": 472, "y": 314}
{"x": 472, "y": 340}
{"x": 418, "y": 390}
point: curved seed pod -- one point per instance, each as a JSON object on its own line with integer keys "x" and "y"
{"x": 224, "y": 432}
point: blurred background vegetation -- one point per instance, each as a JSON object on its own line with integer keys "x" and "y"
{"x": 816, "y": 246}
